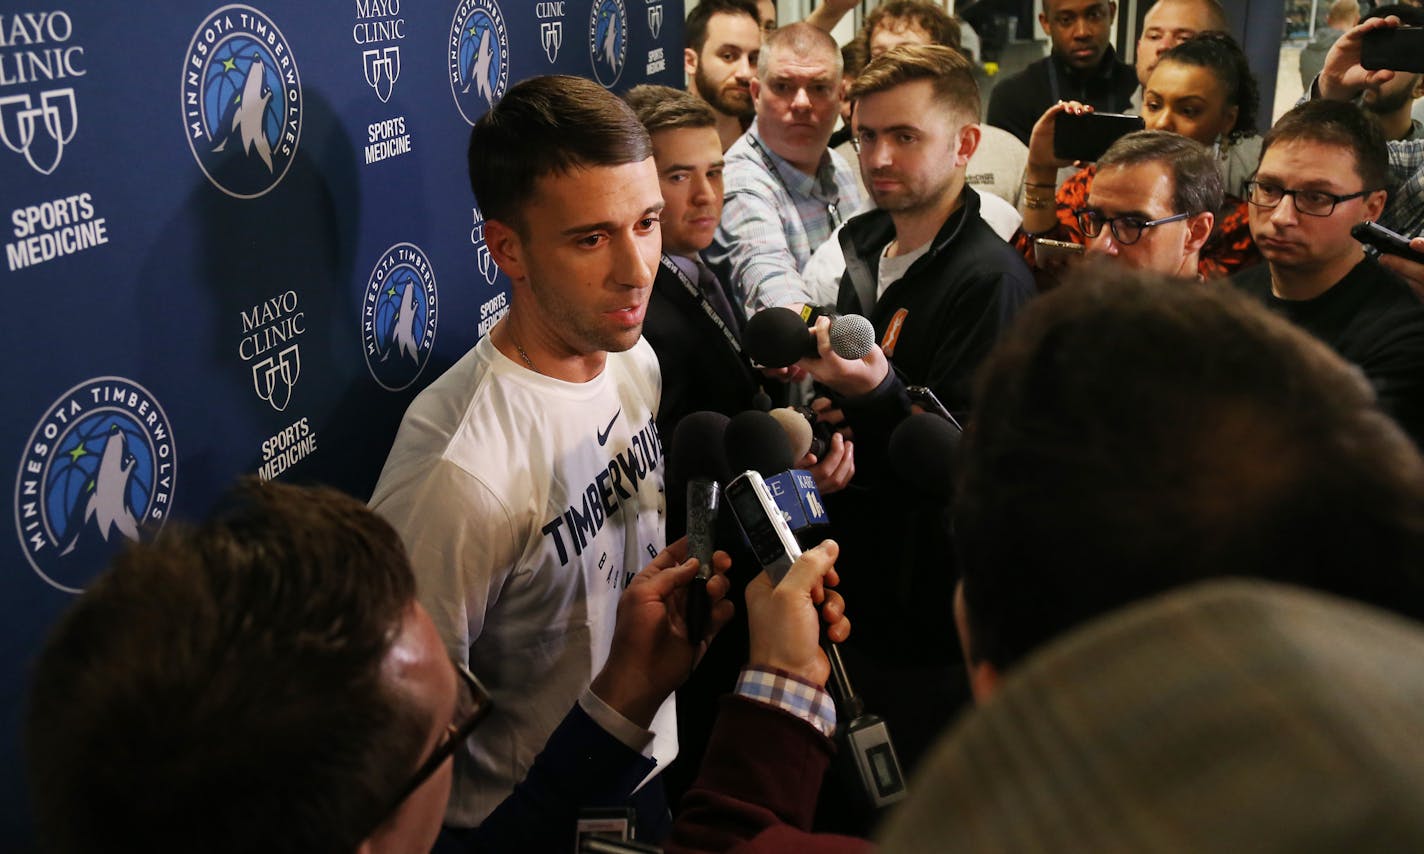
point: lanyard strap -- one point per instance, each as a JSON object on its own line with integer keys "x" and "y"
{"x": 832, "y": 211}
{"x": 707, "y": 306}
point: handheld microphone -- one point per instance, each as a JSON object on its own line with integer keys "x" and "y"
{"x": 921, "y": 453}
{"x": 806, "y": 431}
{"x": 777, "y": 337}
{"x": 772, "y": 540}
{"x": 697, "y": 457}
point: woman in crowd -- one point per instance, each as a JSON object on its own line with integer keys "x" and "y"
{"x": 1203, "y": 89}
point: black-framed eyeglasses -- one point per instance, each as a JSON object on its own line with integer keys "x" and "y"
{"x": 471, "y": 705}
{"x": 1309, "y": 202}
{"x": 1126, "y": 229}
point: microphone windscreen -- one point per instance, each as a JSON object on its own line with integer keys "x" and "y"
{"x": 777, "y": 337}
{"x": 698, "y": 448}
{"x": 921, "y": 453}
{"x": 798, "y": 430}
{"x": 852, "y": 336}
{"x": 756, "y": 442}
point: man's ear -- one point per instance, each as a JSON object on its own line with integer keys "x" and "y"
{"x": 1199, "y": 229}
{"x": 1043, "y": 22}
{"x": 755, "y": 86}
{"x": 689, "y": 62}
{"x": 1374, "y": 204}
{"x": 506, "y": 248}
{"x": 969, "y": 138}
{"x": 983, "y": 676}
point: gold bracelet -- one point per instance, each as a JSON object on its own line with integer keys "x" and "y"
{"x": 1037, "y": 204}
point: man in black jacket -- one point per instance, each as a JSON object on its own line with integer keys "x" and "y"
{"x": 1081, "y": 66}
{"x": 938, "y": 286}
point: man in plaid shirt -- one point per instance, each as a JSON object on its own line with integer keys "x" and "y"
{"x": 785, "y": 191}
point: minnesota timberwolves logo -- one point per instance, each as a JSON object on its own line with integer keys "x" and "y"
{"x": 479, "y": 57}
{"x": 608, "y": 40}
{"x": 98, "y": 471}
{"x": 242, "y": 101}
{"x": 399, "y": 313}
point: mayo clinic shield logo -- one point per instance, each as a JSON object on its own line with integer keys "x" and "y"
{"x": 552, "y": 34}
{"x": 479, "y": 57}
{"x": 52, "y": 112}
{"x": 274, "y": 376}
{"x": 655, "y": 19}
{"x": 488, "y": 268}
{"x": 608, "y": 41}
{"x": 97, "y": 471}
{"x": 398, "y": 316}
{"x": 382, "y": 70}
{"x": 242, "y": 101}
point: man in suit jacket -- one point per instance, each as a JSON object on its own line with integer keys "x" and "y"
{"x": 692, "y": 324}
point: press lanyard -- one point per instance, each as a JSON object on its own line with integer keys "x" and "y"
{"x": 832, "y": 212}
{"x": 707, "y": 306}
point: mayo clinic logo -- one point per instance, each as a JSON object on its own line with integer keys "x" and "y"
{"x": 35, "y": 52}
{"x": 551, "y": 26}
{"x": 479, "y": 57}
{"x": 378, "y": 29}
{"x": 97, "y": 471}
{"x": 655, "y": 20}
{"x": 608, "y": 40}
{"x": 398, "y": 316}
{"x": 241, "y": 101}
{"x": 488, "y": 268}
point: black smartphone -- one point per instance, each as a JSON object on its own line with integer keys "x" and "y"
{"x": 926, "y": 399}
{"x": 1397, "y": 49}
{"x": 1088, "y": 136}
{"x": 1385, "y": 241}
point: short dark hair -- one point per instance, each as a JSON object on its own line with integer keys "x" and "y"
{"x": 1132, "y": 434}
{"x": 694, "y": 31}
{"x": 662, "y": 108}
{"x": 1220, "y": 54}
{"x": 949, "y": 73}
{"x": 1409, "y": 16}
{"x": 939, "y": 25}
{"x": 1196, "y": 182}
{"x": 1340, "y": 124}
{"x": 221, "y": 688}
{"x": 545, "y": 126}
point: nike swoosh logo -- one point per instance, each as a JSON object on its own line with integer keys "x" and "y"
{"x": 603, "y": 434}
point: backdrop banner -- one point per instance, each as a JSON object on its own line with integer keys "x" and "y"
{"x": 239, "y": 240}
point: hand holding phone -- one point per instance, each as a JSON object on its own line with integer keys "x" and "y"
{"x": 1088, "y": 136}
{"x": 1385, "y": 241}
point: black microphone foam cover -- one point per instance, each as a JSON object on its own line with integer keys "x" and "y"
{"x": 698, "y": 448}
{"x": 756, "y": 442}
{"x": 777, "y": 337}
{"x": 852, "y": 337}
{"x": 921, "y": 453}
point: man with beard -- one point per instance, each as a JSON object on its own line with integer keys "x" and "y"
{"x": 723, "y": 38}
{"x": 1391, "y": 103}
{"x": 1082, "y": 66}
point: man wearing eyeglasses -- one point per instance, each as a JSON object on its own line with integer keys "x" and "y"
{"x": 268, "y": 681}
{"x": 1081, "y": 66}
{"x": 1324, "y": 169}
{"x": 1151, "y": 203}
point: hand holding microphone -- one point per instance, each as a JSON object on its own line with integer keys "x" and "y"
{"x": 842, "y": 370}
{"x": 784, "y": 619}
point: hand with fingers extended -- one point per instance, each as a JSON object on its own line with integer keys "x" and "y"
{"x": 651, "y": 655}
{"x": 785, "y": 619}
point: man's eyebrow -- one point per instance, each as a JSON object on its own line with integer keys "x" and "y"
{"x": 689, "y": 167}
{"x": 607, "y": 225}
{"x": 891, "y": 128}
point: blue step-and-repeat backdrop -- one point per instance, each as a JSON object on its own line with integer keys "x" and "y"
{"x": 238, "y": 239}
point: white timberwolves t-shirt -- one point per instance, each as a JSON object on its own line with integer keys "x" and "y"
{"x": 527, "y": 503}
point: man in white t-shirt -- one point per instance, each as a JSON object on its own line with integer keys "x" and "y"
{"x": 526, "y": 481}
